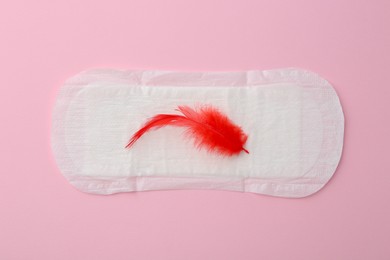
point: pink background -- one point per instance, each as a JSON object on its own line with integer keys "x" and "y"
{"x": 44, "y": 42}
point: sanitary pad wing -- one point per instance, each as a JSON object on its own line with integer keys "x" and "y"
{"x": 292, "y": 119}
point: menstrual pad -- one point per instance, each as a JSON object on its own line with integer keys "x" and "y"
{"x": 292, "y": 118}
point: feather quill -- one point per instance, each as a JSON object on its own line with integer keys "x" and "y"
{"x": 209, "y": 128}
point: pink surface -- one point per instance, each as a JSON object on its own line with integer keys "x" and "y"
{"x": 44, "y": 42}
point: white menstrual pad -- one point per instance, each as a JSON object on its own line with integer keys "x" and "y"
{"x": 293, "y": 119}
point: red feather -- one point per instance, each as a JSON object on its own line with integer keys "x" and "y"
{"x": 206, "y": 125}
